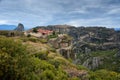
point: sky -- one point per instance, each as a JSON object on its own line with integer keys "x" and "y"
{"x": 33, "y": 13}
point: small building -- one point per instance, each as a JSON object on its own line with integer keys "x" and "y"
{"x": 45, "y": 32}
{"x": 39, "y": 33}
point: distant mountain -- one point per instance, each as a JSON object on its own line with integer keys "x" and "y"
{"x": 117, "y": 29}
{"x": 7, "y": 27}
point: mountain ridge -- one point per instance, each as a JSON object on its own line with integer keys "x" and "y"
{"x": 7, "y": 27}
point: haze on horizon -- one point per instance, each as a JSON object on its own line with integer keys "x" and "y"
{"x": 50, "y": 12}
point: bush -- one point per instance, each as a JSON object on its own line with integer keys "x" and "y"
{"x": 43, "y": 40}
{"x": 55, "y": 63}
{"x": 62, "y": 60}
{"x": 75, "y": 78}
{"x": 52, "y": 36}
{"x": 14, "y": 62}
{"x": 47, "y": 75}
{"x": 5, "y": 33}
{"x": 24, "y": 39}
{"x": 104, "y": 75}
{"x": 29, "y": 35}
{"x": 32, "y": 39}
{"x": 80, "y": 67}
{"x": 35, "y": 30}
{"x": 42, "y": 54}
{"x": 52, "y": 49}
{"x": 47, "y": 71}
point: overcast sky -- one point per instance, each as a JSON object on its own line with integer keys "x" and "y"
{"x": 73, "y": 12}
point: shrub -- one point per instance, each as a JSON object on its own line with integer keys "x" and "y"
{"x": 42, "y": 54}
{"x": 14, "y": 62}
{"x": 43, "y": 40}
{"x": 55, "y": 63}
{"x": 52, "y": 36}
{"x": 104, "y": 75}
{"x": 62, "y": 60}
{"x": 5, "y": 33}
{"x": 24, "y": 39}
{"x": 29, "y": 35}
{"x": 47, "y": 75}
{"x": 80, "y": 67}
{"x": 52, "y": 49}
{"x": 75, "y": 78}
{"x": 47, "y": 71}
{"x": 33, "y": 39}
{"x": 35, "y": 30}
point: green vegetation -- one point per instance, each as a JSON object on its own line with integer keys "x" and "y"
{"x": 11, "y": 33}
{"x": 29, "y": 35}
{"x": 32, "y": 39}
{"x": 110, "y": 62}
{"x": 35, "y": 30}
{"x": 104, "y": 75}
{"x": 107, "y": 53}
{"x": 5, "y": 33}
{"x": 17, "y": 62}
{"x": 66, "y": 38}
{"x": 80, "y": 67}
{"x": 107, "y": 59}
{"x": 43, "y": 40}
{"x": 53, "y": 35}
{"x": 14, "y": 62}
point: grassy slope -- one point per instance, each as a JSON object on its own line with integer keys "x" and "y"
{"x": 45, "y": 57}
{"x": 37, "y": 46}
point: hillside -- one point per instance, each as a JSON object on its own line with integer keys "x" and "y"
{"x": 86, "y": 41}
{"x": 54, "y": 56}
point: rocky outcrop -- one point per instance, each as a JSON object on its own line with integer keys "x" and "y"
{"x": 117, "y": 54}
{"x": 82, "y": 74}
{"x": 93, "y": 62}
{"x": 97, "y": 38}
{"x": 20, "y": 27}
{"x": 63, "y": 45}
{"x": 86, "y": 41}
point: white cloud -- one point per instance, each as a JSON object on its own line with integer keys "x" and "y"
{"x": 106, "y": 22}
{"x": 3, "y": 21}
{"x": 114, "y": 11}
{"x": 43, "y": 12}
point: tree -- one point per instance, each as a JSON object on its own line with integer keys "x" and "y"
{"x": 35, "y": 30}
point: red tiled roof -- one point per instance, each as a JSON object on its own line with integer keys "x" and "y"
{"x": 44, "y": 31}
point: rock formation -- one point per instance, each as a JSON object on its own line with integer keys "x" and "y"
{"x": 20, "y": 27}
{"x": 63, "y": 45}
{"x": 93, "y": 63}
{"x": 95, "y": 38}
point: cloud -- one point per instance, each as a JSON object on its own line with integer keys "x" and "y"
{"x": 46, "y": 12}
{"x": 114, "y": 11}
{"x": 3, "y": 21}
{"x": 105, "y": 22}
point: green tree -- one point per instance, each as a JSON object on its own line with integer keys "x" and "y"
{"x": 35, "y": 30}
{"x": 14, "y": 61}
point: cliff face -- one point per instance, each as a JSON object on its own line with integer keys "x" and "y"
{"x": 63, "y": 46}
{"x": 92, "y": 47}
{"x": 93, "y": 38}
